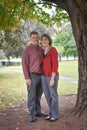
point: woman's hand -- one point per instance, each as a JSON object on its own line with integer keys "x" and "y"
{"x": 51, "y": 82}
{"x": 52, "y": 79}
{"x": 28, "y": 82}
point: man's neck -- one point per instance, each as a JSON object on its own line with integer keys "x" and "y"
{"x": 34, "y": 44}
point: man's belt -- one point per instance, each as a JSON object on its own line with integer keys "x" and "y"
{"x": 35, "y": 73}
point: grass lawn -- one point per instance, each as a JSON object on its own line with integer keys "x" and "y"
{"x": 66, "y": 88}
{"x": 68, "y": 68}
{"x": 10, "y": 68}
{"x": 13, "y": 88}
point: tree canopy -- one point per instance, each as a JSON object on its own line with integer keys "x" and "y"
{"x": 13, "y": 11}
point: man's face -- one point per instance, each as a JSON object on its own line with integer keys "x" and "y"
{"x": 34, "y": 39}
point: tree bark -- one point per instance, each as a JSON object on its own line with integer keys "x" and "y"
{"x": 78, "y": 19}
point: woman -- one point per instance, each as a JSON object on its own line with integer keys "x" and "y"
{"x": 50, "y": 77}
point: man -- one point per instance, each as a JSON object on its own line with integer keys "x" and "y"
{"x": 32, "y": 68}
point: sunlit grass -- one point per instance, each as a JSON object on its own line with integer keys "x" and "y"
{"x": 12, "y": 89}
{"x": 68, "y": 68}
{"x": 66, "y": 88}
{"x": 10, "y": 68}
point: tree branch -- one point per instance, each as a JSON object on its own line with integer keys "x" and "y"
{"x": 48, "y": 3}
{"x": 60, "y": 3}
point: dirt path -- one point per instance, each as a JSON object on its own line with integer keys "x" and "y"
{"x": 17, "y": 118}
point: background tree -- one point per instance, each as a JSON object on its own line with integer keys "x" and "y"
{"x": 64, "y": 40}
{"x": 1, "y": 38}
{"x": 12, "y": 42}
{"x": 70, "y": 50}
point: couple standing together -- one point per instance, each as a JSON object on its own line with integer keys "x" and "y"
{"x": 40, "y": 68}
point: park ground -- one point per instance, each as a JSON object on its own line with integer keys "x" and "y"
{"x": 16, "y": 117}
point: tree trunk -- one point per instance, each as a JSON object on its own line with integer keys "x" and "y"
{"x": 60, "y": 57}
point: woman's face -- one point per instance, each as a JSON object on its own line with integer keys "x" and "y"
{"x": 45, "y": 42}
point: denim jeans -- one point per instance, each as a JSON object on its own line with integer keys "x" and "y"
{"x": 34, "y": 94}
{"x": 51, "y": 95}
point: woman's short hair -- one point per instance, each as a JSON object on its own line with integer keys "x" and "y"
{"x": 48, "y": 37}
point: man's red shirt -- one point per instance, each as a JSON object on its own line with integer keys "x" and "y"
{"x": 32, "y": 58}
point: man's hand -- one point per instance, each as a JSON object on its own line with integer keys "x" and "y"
{"x": 28, "y": 82}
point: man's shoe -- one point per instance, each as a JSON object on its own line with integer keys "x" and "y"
{"x": 47, "y": 117}
{"x": 32, "y": 119}
{"x": 41, "y": 114}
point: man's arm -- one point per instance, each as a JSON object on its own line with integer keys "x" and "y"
{"x": 25, "y": 66}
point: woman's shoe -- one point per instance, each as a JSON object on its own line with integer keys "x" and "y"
{"x": 53, "y": 119}
{"x": 47, "y": 117}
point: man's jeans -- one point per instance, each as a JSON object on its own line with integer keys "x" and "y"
{"x": 34, "y": 94}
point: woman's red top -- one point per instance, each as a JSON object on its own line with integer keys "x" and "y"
{"x": 50, "y": 62}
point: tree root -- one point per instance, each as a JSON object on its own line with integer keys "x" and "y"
{"x": 82, "y": 110}
{"x": 78, "y": 111}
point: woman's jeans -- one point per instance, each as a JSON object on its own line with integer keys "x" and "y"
{"x": 51, "y": 95}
